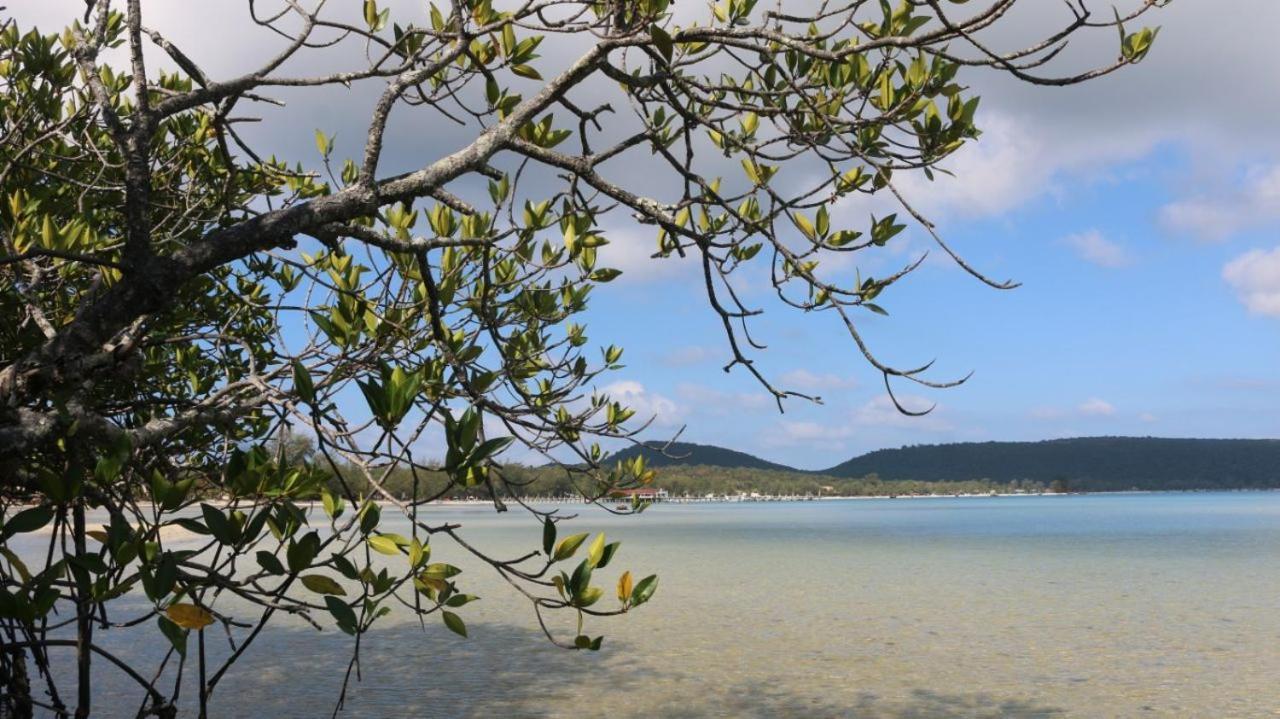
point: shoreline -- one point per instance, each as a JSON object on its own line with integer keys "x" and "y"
{"x": 790, "y": 499}
{"x": 765, "y": 499}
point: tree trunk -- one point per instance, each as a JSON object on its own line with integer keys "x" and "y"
{"x": 15, "y": 687}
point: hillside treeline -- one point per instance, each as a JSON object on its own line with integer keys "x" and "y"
{"x": 1093, "y": 464}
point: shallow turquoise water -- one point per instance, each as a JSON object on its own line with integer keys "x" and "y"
{"x": 1135, "y": 605}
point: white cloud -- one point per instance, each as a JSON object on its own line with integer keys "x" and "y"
{"x": 881, "y": 412}
{"x": 707, "y": 400}
{"x": 810, "y": 434}
{"x": 664, "y": 411}
{"x": 1148, "y": 417}
{"x": 802, "y": 379}
{"x": 1007, "y": 166}
{"x": 1004, "y": 168}
{"x": 1216, "y": 217}
{"x": 869, "y": 421}
{"x": 1092, "y": 407}
{"x": 1095, "y": 407}
{"x": 1255, "y": 277}
{"x": 1092, "y": 247}
{"x": 631, "y": 250}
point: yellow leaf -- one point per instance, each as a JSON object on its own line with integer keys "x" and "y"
{"x": 384, "y": 545}
{"x": 189, "y": 616}
{"x": 624, "y": 586}
{"x": 97, "y": 534}
{"x": 47, "y": 235}
{"x": 804, "y": 225}
{"x": 596, "y": 550}
{"x": 21, "y": 242}
{"x": 570, "y": 237}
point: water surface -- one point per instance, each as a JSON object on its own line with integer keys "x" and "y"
{"x": 1142, "y": 605}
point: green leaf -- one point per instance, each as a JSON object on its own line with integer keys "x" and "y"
{"x": 604, "y": 274}
{"x": 18, "y": 565}
{"x": 376, "y": 397}
{"x": 176, "y": 635}
{"x": 454, "y": 623}
{"x": 662, "y": 41}
{"x": 644, "y": 590}
{"x": 610, "y": 549}
{"x": 489, "y": 448}
{"x": 440, "y": 570}
{"x": 219, "y": 526}
{"x": 320, "y": 584}
{"x": 529, "y": 72}
{"x": 301, "y": 553}
{"x": 28, "y": 520}
{"x": 269, "y": 562}
{"x": 344, "y": 565}
{"x": 342, "y": 613}
{"x": 590, "y": 596}
{"x": 568, "y": 546}
{"x": 302, "y": 383}
{"x": 370, "y": 518}
{"x": 548, "y": 535}
{"x": 583, "y": 641}
{"x": 418, "y": 552}
{"x": 581, "y": 579}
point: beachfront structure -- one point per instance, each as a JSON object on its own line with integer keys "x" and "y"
{"x": 648, "y": 494}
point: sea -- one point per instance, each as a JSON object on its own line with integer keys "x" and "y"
{"x": 1090, "y": 606}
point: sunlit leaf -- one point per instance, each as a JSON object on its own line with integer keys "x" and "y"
{"x": 189, "y": 616}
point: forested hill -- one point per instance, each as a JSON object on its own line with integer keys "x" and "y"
{"x": 1087, "y": 463}
{"x": 686, "y": 453}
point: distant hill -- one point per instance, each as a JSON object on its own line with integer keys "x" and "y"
{"x": 660, "y": 454}
{"x": 1086, "y": 463}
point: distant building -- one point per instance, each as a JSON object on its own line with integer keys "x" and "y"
{"x": 647, "y": 494}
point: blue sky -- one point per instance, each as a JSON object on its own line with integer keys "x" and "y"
{"x": 1127, "y": 322}
{"x": 1140, "y": 212}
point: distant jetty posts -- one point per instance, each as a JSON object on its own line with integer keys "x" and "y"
{"x": 654, "y": 495}
{"x": 657, "y": 494}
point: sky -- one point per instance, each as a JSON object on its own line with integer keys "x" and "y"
{"x": 1140, "y": 213}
